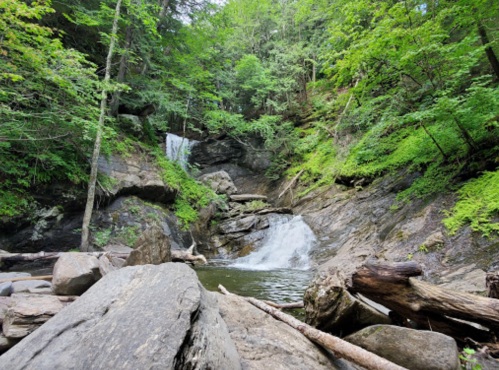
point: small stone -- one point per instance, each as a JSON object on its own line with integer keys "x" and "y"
{"x": 413, "y": 349}
{"x": 25, "y": 286}
{"x": 5, "y": 289}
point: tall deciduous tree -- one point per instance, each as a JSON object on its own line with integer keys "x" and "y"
{"x": 98, "y": 138}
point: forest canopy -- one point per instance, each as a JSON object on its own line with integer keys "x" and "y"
{"x": 338, "y": 91}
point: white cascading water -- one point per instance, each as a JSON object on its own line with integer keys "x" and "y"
{"x": 288, "y": 246}
{"x": 178, "y": 150}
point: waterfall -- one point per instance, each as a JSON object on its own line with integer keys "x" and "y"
{"x": 179, "y": 150}
{"x": 288, "y": 246}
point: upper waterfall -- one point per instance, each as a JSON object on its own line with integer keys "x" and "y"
{"x": 178, "y": 149}
{"x": 288, "y": 246}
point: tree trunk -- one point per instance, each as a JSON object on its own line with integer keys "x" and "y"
{"x": 339, "y": 347}
{"x": 115, "y": 102}
{"x": 488, "y": 49}
{"x": 434, "y": 140}
{"x": 85, "y": 246}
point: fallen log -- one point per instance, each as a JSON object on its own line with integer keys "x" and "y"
{"x": 285, "y": 306}
{"x": 492, "y": 284}
{"x": 13, "y": 280}
{"x": 290, "y": 184}
{"x": 339, "y": 347}
{"x": 430, "y": 306}
{"x": 187, "y": 256}
{"x": 30, "y": 257}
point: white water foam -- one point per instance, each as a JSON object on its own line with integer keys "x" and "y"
{"x": 178, "y": 150}
{"x": 288, "y": 246}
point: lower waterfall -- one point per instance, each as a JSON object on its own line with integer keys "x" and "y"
{"x": 288, "y": 246}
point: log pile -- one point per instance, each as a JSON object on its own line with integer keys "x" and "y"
{"x": 395, "y": 286}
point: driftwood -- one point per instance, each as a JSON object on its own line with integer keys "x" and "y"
{"x": 339, "y": 347}
{"x": 29, "y": 257}
{"x": 285, "y": 306}
{"x": 45, "y": 277}
{"x": 492, "y": 284}
{"x": 290, "y": 184}
{"x": 187, "y": 256}
{"x": 430, "y": 306}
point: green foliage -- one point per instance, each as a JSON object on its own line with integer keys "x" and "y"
{"x": 129, "y": 234}
{"x": 478, "y": 205}
{"x": 254, "y": 205}
{"x": 101, "y": 238}
{"x": 466, "y": 357}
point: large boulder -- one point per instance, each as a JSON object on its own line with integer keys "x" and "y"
{"x": 153, "y": 247}
{"x": 265, "y": 343}
{"x": 412, "y": 349}
{"x": 74, "y": 273}
{"x": 220, "y": 182}
{"x": 27, "y": 312}
{"x": 139, "y": 317}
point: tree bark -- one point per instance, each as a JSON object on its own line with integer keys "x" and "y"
{"x": 491, "y": 56}
{"x": 115, "y": 101}
{"x": 85, "y": 245}
{"x": 433, "y": 307}
{"x": 339, "y": 347}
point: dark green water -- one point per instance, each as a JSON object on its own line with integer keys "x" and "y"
{"x": 279, "y": 286}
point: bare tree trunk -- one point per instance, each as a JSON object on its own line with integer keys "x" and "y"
{"x": 115, "y": 102}
{"x": 488, "y": 50}
{"x": 434, "y": 140}
{"x": 95, "y": 156}
{"x": 339, "y": 347}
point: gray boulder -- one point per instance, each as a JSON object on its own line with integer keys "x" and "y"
{"x": 27, "y": 285}
{"x": 265, "y": 343}
{"x": 5, "y": 289}
{"x": 220, "y": 182}
{"x": 140, "y": 317}
{"x": 153, "y": 247}
{"x": 413, "y": 349}
{"x": 4, "y": 305}
{"x": 74, "y": 273}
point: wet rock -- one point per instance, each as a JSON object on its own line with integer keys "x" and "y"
{"x": 331, "y": 308}
{"x": 74, "y": 273}
{"x": 27, "y": 312}
{"x": 235, "y": 226}
{"x": 139, "y": 317}
{"x": 264, "y": 343}
{"x": 413, "y": 349}
{"x": 27, "y": 285}
{"x": 5, "y": 289}
{"x": 152, "y": 247}
{"x": 220, "y": 182}
{"x": 247, "y": 197}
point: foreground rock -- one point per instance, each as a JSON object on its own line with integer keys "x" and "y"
{"x": 139, "y": 317}
{"x": 74, "y": 273}
{"x": 28, "y": 286}
{"x": 413, "y": 349}
{"x": 6, "y": 343}
{"x": 153, "y": 247}
{"x": 27, "y": 312}
{"x": 265, "y": 343}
